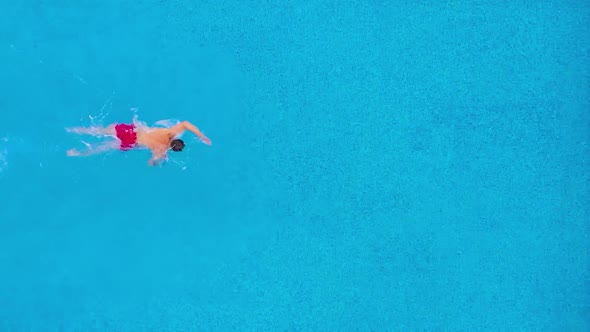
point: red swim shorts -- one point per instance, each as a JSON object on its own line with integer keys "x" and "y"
{"x": 126, "y": 133}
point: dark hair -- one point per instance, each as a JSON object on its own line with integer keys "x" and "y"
{"x": 177, "y": 145}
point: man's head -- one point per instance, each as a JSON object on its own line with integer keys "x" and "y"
{"x": 177, "y": 145}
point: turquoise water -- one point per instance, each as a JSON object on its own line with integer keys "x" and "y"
{"x": 376, "y": 166}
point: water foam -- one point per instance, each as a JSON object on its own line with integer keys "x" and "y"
{"x": 3, "y": 154}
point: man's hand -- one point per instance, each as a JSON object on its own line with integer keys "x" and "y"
{"x": 206, "y": 140}
{"x": 157, "y": 158}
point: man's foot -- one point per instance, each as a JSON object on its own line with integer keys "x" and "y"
{"x": 75, "y": 130}
{"x": 73, "y": 153}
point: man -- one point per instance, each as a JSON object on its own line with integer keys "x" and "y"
{"x": 137, "y": 134}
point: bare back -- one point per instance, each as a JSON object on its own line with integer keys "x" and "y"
{"x": 155, "y": 139}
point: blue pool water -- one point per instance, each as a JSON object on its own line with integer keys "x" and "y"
{"x": 376, "y": 166}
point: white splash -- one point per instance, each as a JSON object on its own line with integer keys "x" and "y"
{"x": 3, "y": 154}
{"x": 167, "y": 123}
{"x": 3, "y": 162}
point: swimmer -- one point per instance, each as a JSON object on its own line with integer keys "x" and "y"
{"x": 135, "y": 135}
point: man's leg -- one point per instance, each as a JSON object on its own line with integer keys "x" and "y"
{"x": 90, "y": 150}
{"x": 94, "y": 130}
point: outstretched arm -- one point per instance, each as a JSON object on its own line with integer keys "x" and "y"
{"x": 157, "y": 158}
{"x": 185, "y": 125}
